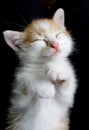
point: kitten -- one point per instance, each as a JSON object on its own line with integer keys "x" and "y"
{"x": 45, "y": 83}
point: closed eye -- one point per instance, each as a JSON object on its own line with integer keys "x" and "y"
{"x": 58, "y": 34}
{"x": 39, "y": 40}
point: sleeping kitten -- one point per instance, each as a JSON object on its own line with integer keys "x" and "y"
{"x": 45, "y": 84}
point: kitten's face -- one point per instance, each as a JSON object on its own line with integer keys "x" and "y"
{"x": 44, "y": 38}
{"x": 47, "y": 39}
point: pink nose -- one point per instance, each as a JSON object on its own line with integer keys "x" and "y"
{"x": 55, "y": 46}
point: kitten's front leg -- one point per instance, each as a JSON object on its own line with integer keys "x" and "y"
{"x": 60, "y": 77}
{"x": 63, "y": 77}
{"x": 62, "y": 74}
{"x": 66, "y": 88}
{"x": 58, "y": 73}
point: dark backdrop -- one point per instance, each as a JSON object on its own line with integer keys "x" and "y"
{"x": 18, "y": 13}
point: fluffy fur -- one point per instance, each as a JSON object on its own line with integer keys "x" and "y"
{"x": 45, "y": 84}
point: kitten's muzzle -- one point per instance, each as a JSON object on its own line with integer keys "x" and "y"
{"x": 55, "y": 46}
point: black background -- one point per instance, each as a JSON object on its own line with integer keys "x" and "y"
{"x": 77, "y": 21}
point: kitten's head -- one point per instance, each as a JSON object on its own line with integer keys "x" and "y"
{"x": 41, "y": 39}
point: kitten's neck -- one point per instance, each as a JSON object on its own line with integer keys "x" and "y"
{"x": 42, "y": 62}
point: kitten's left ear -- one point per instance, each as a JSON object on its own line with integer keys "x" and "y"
{"x": 13, "y": 39}
{"x": 59, "y": 17}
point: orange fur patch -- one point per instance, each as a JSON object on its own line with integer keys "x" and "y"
{"x": 34, "y": 31}
{"x": 63, "y": 122}
{"x": 64, "y": 82}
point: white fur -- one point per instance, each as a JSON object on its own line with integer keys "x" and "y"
{"x": 46, "y": 101}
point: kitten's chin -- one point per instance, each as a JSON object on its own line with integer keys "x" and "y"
{"x": 50, "y": 54}
{"x": 55, "y": 53}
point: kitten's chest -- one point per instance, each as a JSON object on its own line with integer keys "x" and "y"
{"x": 42, "y": 70}
{"x": 46, "y": 112}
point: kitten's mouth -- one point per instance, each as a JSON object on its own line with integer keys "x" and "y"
{"x": 56, "y": 52}
{"x": 56, "y": 49}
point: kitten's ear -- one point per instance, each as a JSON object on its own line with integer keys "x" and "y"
{"x": 13, "y": 39}
{"x": 59, "y": 17}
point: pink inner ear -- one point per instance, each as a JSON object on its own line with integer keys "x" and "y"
{"x": 10, "y": 37}
{"x": 10, "y": 42}
{"x": 59, "y": 17}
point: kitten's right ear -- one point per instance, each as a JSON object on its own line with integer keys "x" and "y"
{"x": 13, "y": 39}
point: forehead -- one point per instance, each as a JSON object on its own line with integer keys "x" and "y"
{"x": 42, "y": 27}
{"x": 46, "y": 25}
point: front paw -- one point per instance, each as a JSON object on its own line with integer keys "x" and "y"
{"x": 62, "y": 82}
{"x": 60, "y": 77}
{"x": 47, "y": 91}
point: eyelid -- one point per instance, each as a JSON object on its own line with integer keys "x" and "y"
{"x": 58, "y": 34}
{"x": 39, "y": 40}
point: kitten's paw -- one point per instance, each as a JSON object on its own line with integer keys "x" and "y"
{"x": 62, "y": 83}
{"x": 47, "y": 91}
{"x": 63, "y": 75}
{"x": 63, "y": 78}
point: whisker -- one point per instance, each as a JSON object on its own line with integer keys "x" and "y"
{"x": 76, "y": 50}
{"x": 14, "y": 24}
{"x": 21, "y": 15}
